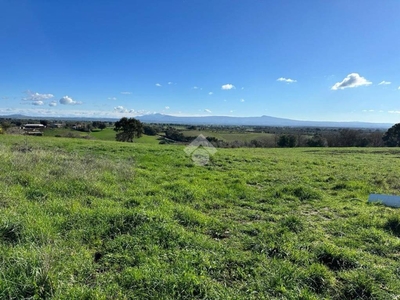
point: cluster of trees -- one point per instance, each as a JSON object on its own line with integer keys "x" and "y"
{"x": 88, "y": 126}
{"x": 334, "y": 138}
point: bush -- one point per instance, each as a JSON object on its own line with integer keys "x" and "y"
{"x": 393, "y": 225}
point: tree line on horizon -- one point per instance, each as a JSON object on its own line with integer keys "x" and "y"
{"x": 127, "y": 129}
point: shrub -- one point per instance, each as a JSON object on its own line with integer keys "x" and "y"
{"x": 393, "y": 225}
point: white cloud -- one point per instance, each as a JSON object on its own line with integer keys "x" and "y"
{"x": 36, "y": 96}
{"x": 210, "y": 93}
{"x": 123, "y": 110}
{"x": 241, "y": 100}
{"x": 167, "y": 107}
{"x": 126, "y": 93}
{"x": 398, "y": 88}
{"x": 231, "y": 111}
{"x": 352, "y": 80}
{"x": 384, "y": 82}
{"x": 112, "y": 98}
{"x": 68, "y": 101}
{"x": 228, "y": 86}
{"x": 208, "y": 111}
{"x": 53, "y": 103}
{"x": 45, "y": 111}
{"x": 37, "y": 102}
{"x": 394, "y": 111}
{"x": 195, "y": 88}
{"x": 159, "y": 85}
{"x": 170, "y": 82}
{"x": 288, "y": 80}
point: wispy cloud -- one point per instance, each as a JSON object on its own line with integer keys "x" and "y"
{"x": 210, "y": 93}
{"x": 394, "y": 111}
{"x": 170, "y": 82}
{"x": 159, "y": 85}
{"x": 351, "y": 81}
{"x": 68, "y": 101}
{"x": 126, "y": 93}
{"x": 36, "y": 96}
{"x": 112, "y": 98}
{"x": 384, "y": 82}
{"x": 241, "y": 100}
{"x": 53, "y": 103}
{"x": 228, "y": 86}
{"x": 195, "y": 87}
{"x": 287, "y": 80}
{"x": 208, "y": 111}
{"x": 167, "y": 107}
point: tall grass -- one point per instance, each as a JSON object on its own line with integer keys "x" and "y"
{"x": 85, "y": 219}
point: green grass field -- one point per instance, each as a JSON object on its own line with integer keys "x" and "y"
{"x": 92, "y": 219}
{"x": 107, "y": 134}
{"x": 230, "y": 137}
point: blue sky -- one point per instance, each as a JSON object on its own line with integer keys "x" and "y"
{"x": 308, "y": 60}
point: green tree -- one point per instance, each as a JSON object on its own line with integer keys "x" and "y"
{"x": 391, "y": 138}
{"x": 287, "y": 141}
{"x": 102, "y": 126}
{"x": 317, "y": 141}
{"x": 5, "y": 125}
{"x": 128, "y": 129}
{"x": 150, "y": 130}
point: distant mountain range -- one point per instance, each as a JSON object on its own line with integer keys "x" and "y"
{"x": 223, "y": 121}
{"x": 254, "y": 121}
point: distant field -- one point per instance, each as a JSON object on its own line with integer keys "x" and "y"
{"x": 107, "y": 134}
{"x": 230, "y": 137}
{"x": 93, "y": 219}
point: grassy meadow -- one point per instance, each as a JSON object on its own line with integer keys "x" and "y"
{"x": 94, "y": 219}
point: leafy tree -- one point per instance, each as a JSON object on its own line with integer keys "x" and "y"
{"x": 348, "y": 137}
{"x": 176, "y": 135}
{"x": 317, "y": 141}
{"x": 102, "y": 126}
{"x": 5, "y": 126}
{"x": 88, "y": 127}
{"x": 128, "y": 129}
{"x": 287, "y": 141}
{"x": 150, "y": 130}
{"x": 392, "y": 137}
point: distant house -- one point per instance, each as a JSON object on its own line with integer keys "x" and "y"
{"x": 57, "y": 125}
{"x": 34, "y": 129}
